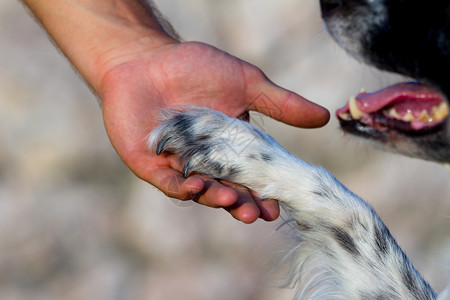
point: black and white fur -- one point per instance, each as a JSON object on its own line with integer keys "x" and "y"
{"x": 358, "y": 258}
{"x": 409, "y": 37}
{"x": 337, "y": 227}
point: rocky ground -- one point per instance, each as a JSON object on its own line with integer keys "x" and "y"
{"x": 76, "y": 224}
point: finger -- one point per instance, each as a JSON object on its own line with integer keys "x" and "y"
{"x": 164, "y": 176}
{"x": 242, "y": 204}
{"x": 160, "y": 172}
{"x": 174, "y": 185}
{"x": 216, "y": 195}
{"x": 245, "y": 208}
{"x": 283, "y": 105}
{"x": 236, "y": 199}
{"x": 269, "y": 209}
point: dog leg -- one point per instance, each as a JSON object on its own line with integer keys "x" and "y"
{"x": 343, "y": 230}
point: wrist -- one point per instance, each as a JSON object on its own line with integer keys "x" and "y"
{"x": 98, "y": 35}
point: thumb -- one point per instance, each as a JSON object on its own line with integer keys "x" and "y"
{"x": 285, "y": 106}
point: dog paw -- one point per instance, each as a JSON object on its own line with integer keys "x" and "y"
{"x": 213, "y": 144}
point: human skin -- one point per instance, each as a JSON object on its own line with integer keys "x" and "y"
{"x": 137, "y": 68}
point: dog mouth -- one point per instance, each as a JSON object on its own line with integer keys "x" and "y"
{"x": 412, "y": 108}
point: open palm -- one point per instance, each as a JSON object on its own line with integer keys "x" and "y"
{"x": 136, "y": 89}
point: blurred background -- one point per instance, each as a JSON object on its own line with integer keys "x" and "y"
{"x": 76, "y": 224}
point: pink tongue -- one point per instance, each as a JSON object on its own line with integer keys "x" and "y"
{"x": 375, "y": 101}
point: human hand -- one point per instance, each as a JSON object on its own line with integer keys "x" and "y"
{"x": 136, "y": 88}
{"x": 125, "y": 52}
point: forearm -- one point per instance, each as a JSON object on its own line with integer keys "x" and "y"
{"x": 97, "y": 35}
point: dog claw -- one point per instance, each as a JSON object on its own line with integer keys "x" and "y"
{"x": 161, "y": 145}
{"x": 187, "y": 169}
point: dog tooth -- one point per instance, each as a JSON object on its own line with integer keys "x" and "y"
{"x": 409, "y": 117}
{"x": 440, "y": 112}
{"x": 393, "y": 113}
{"x": 354, "y": 110}
{"x": 363, "y": 90}
{"x": 345, "y": 116}
{"x": 424, "y": 116}
{"x": 435, "y": 113}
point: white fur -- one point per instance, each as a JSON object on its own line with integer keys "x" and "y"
{"x": 346, "y": 247}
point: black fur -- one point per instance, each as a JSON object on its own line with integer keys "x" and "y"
{"x": 413, "y": 39}
{"x": 409, "y": 37}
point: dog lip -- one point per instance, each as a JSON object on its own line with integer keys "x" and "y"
{"x": 376, "y": 101}
{"x": 410, "y": 99}
{"x": 378, "y": 126}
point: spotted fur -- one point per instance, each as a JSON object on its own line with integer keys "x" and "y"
{"x": 343, "y": 250}
{"x": 337, "y": 228}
